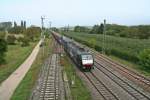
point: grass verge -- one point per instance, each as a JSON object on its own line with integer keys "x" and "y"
{"x": 78, "y": 90}
{"x": 14, "y": 58}
{"x": 24, "y": 89}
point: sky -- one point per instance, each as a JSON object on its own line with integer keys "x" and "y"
{"x": 76, "y": 12}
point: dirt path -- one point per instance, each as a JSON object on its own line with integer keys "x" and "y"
{"x": 10, "y": 84}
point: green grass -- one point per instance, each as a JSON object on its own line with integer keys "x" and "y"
{"x": 24, "y": 90}
{"x": 78, "y": 91}
{"x": 14, "y": 57}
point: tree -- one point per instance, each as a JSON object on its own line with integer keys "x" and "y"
{"x": 16, "y": 30}
{"x": 5, "y": 26}
{"x": 144, "y": 32}
{"x": 24, "y": 41}
{"x": 77, "y": 29}
{"x": 101, "y": 29}
{"x": 11, "y": 39}
{"x": 144, "y": 57}
{"x": 22, "y": 24}
{"x": 33, "y": 33}
{"x": 95, "y": 29}
{"x": 81, "y": 29}
{"x": 3, "y": 47}
{"x": 55, "y": 29}
{"x": 116, "y": 30}
{"x": 15, "y": 24}
{"x": 2, "y": 35}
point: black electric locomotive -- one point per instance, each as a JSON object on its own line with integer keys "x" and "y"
{"x": 81, "y": 57}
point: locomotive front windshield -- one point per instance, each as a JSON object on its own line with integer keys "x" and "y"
{"x": 87, "y": 57}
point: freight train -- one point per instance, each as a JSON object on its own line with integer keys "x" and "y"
{"x": 83, "y": 59}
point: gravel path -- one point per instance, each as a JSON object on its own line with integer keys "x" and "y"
{"x": 10, "y": 84}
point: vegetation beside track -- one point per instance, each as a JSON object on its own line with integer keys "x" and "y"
{"x": 78, "y": 90}
{"x": 137, "y": 67}
{"x": 15, "y": 56}
{"x": 124, "y": 48}
{"x": 24, "y": 90}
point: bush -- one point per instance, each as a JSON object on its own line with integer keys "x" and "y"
{"x": 92, "y": 42}
{"x": 32, "y": 33}
{"x": 2, "y": 35}
{"x": 144, "y": 57}
{"x": 3, "y": 49}
{"x": 11, "y": 39}
{"x": 24, "y": 41}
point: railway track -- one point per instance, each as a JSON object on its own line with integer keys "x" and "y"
{"x": 124, "y": 70}
{"x": 109, "y": 91}
{"x": 123, "y": 83}
{"x": 137, "y": 78}
{"x": 50, "y": 83}
{"x": 49, "y": 89}
{"x": 106, "y": 91}
{"x": 113, "y": 81}
{"x": 132, "y": 74}
{"x": 134, "y": 84}
{"x": 101, "y": 88}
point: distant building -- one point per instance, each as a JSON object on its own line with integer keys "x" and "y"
{"x": 5, "y": 25}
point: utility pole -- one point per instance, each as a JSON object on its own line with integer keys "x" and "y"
{"x": 104, "y": 38}
{"x": 42, "y": 22}
{"x": 68, "y": 28}
{"x": 50, "y": 23}
{"x": 42, "y": 33}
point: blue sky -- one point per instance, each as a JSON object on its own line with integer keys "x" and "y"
{"x": 76, "y": 12}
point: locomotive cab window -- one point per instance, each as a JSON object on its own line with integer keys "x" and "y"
{"x": 86, "y": 57}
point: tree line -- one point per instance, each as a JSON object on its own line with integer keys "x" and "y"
{"x": 140, "y": 31}
{"x": 133, "y": 32}
{"x": 18, "y": 34}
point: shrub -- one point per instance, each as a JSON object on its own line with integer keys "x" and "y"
{"x": 2, "y": 35}
{"x": 3, "y": 49}
{"x": 32, "y": 33}
{"x": 144, "y": 57}
{"x": 20, "y": 39}
{"x": 92, "y": 42}
{"x": 24, "y": 41}
{"x": 11, "y": 39}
